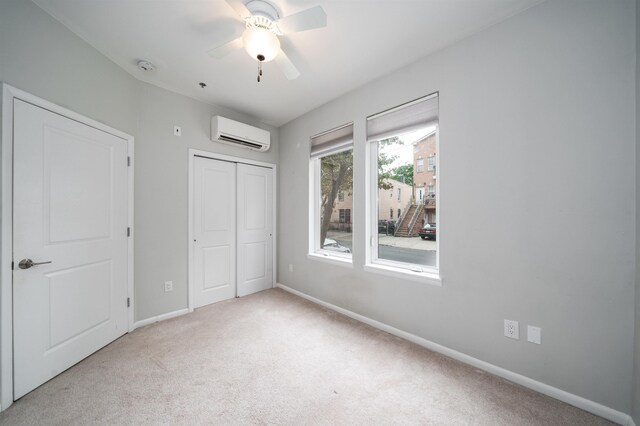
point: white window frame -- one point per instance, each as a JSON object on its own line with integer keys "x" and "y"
{"x": 430, "y": 163}
{"x": 413, "y": 272}
{"x": 420, "y": 165}
{"x": 315, "y": 203}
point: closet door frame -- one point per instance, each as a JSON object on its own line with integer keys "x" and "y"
{"x": 193, "y": 153}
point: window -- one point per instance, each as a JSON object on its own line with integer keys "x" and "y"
{"x": 400, "y": 138}
{"x": 331, "y": 177}
{"x": 345, "y": 215}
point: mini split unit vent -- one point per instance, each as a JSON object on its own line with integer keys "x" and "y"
{"x": 239, "y": 134}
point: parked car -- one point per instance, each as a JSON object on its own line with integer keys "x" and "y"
{"x": 333, "y": 245}
{"x": 386, "y": 227}
{"x": 428, "y": 232}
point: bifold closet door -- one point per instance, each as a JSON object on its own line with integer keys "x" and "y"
{"x": 255, "y": 229}
{"x": 214, "y": 209}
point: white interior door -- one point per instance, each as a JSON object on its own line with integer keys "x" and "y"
{"x": 70, "y": 209}
{"x": 214, "y": 209}
{"x": 255, "y": 229}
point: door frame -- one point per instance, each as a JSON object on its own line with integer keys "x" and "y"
{"x": 10, "y": 93}
{"x": 193, "y": 153}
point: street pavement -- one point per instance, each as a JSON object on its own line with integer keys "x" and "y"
{"x": 407, "y": 255}
{"x": 415, "y": 243}
{"x": 401, "y": 249}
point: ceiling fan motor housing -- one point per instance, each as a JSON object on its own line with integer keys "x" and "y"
{"x": 263, "y": 15}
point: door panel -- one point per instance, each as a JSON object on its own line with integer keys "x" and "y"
{"x": 214, "y": 231}
{"x": 70, "y": 181}
{"x": 255, "y": 229}
{"x": 79, "y": 300}
{"x": 70, "y": 208}
{"x": 216, "y": 267}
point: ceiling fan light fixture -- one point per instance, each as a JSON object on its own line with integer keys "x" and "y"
{"x": 261, "y": 42}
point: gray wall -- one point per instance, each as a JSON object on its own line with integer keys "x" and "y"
{"x": 537, "y": 202}
{"x": 161, "y": 191}
{"x": 636, "y": 371}
{"x": 41, "y": 56}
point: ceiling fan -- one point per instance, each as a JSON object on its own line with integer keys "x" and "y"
{"x": 264, "y": 26}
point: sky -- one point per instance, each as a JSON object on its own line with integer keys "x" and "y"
{"x": 405, "y": 151}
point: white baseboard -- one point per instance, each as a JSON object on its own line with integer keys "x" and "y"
{"x": 575, "y": 400}
{"x": 162, "y": 317}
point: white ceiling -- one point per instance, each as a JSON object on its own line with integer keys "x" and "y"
{"x": 363, "y": 40}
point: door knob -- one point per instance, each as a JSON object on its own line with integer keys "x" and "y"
{"x": 28, "y": 263}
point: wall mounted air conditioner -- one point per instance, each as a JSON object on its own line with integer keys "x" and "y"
{"x": 239, "y": 134}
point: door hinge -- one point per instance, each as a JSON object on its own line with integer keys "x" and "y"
{"x": 128, "y": 161}
{"x": 128, "y": 231}
{"x": 128, "y": 302}
{"x": 12, "y": 265}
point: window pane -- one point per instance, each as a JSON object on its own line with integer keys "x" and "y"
{"x": 409, "y": 239}
{"x": 336, "y": 192}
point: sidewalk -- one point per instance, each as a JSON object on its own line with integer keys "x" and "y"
{"x": 415, "y": 243}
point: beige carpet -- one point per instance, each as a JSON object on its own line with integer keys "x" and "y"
{"x": 273, "y": 358}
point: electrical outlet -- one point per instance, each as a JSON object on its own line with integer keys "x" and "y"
{"x": 177, "y": 131}
{"x": 511, "y": 329}
{"x": 534, "y": 334}
{"x": 291, "y": 267}
{"x": 168, "y": 286}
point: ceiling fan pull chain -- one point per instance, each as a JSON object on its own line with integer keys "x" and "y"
{"x": 260, "y": 59}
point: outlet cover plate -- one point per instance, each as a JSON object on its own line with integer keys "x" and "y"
{"x": 512, "y": 329}
{"x": 534, "y": 334}
{"x": 177, "y": 131}
{"x": 168, "y": 286}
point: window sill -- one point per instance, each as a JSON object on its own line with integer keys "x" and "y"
{"x": 432, "y": 278}
{"x": 334, "y": 260}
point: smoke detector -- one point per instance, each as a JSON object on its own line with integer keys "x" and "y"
{"x": 146, "y": 65}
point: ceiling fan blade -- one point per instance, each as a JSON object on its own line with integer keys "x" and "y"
{"x": 308, "y": 19}
{"x": 225, "y": 49}
{"x": 284, "y": 63}
{"x": 240, "y": 8}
